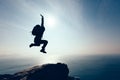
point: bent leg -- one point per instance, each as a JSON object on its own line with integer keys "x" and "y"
{"x": 33, "y": 44}
{"x": 44, "y": 42}
{"x": 36, "y": 42}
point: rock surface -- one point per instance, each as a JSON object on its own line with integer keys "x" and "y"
{"x": 57, "y": 71}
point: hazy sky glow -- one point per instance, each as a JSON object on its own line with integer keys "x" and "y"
{"x": 82, "y": 26}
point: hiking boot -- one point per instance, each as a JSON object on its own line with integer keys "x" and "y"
{"x": 43, "y": 51}
{"x": 30, "y": 45}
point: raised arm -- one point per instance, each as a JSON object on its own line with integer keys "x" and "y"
{"x": 42, "y": 21}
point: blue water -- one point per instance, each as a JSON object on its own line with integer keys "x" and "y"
{"x": 94, "y": 67}
{"x": 11, "y": 65}
{"x": 97, "y": 67}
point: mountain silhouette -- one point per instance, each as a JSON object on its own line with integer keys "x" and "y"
{"x": 57, "y": 71}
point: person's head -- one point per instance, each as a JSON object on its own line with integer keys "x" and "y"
{"x": 37, "y": 25}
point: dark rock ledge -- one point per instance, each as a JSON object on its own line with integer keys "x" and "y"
{"x": 57, "y": 71}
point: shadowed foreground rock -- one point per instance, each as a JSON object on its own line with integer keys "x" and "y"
{"x": 57, "y": 71}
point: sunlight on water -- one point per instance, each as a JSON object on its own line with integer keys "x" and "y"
{"x": 51, "y": 59}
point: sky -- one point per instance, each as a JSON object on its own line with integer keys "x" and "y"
{"x": 79, "y": 27}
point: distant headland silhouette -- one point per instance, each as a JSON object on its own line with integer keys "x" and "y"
{"x": 57, "y": 71}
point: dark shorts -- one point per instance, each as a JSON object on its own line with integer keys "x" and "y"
{"x": 38, "y": 41}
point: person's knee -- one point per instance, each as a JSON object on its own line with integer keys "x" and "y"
{"x": 46, "y": 41}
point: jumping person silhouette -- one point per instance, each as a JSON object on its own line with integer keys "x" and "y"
{"x": 38, "y": 33}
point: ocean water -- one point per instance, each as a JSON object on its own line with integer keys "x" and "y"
{"x": 11, "y": 65}
{"x": 94, "y": 67}
{"x": 97, "y": 67}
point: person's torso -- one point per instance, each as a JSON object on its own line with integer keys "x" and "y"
{"x": 40, "y": 32}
